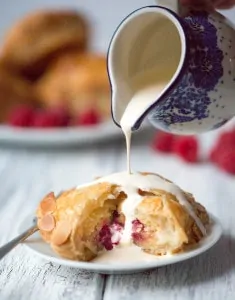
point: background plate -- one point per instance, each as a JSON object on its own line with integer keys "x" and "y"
{"x": 62, "y": 137}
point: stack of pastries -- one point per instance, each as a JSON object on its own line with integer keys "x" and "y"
{"x": 84, "y": 222}
{"x": 45, "y": 64}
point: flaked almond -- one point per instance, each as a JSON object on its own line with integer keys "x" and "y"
{"x": 48, "y": 204}
{"x": 47, "y": 223}
{"x": 61, "y": 233}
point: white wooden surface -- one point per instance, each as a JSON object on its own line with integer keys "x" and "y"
{"x": 26, "y": 175}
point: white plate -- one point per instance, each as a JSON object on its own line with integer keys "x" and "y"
{"x": 61, "y": 136}
{"x": 39, "y": 247}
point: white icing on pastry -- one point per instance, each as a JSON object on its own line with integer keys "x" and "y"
{"x": 130, "y": 184}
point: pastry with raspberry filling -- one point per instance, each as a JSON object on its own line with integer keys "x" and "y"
{"x": 163, "y": 225}
{"x": 141, "y": 209}
{"x": 82, "y": 222}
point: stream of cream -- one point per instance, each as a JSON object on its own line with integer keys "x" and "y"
{"x": 131, "y": 182}
{"x": 147, "y": 87}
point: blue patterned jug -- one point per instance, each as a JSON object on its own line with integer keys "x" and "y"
{"x": 200, "y": 95}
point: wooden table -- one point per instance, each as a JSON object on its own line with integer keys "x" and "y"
{"x": 26, "y": 175}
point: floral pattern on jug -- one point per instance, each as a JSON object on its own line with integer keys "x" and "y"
{"x": 192, "y": 101}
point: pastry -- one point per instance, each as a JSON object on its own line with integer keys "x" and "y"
{"x": 14, "y": 91}
{"x": 73, "y": 223}
{"x": 35, "y": 40}
{"x": 142, "y": 210}
{"x": 77, "y": 82}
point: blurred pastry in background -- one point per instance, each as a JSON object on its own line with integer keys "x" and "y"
{"x": 78, "y": 82}
{"x": 14, "y": 92}
{"x": 55, "y": 81}
{"x": 32, "y": 43}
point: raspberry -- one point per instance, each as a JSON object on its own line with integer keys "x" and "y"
{"x": 213, "y": 156}
{"x": 187, "y": 148}
{"x": 62, "y": 116}
{"x": 137, "y": 230}
{"x": 137, "y": 226}
{"x": 163, "y": 142}
{"x": 44, "y": 119}
{"x": 88, "y": 118}
{"x": 226, "y": 141}
{"x": 105, "y": 237}
{"x": 21, "y": 117}
{"x": 226, "y": 161}
{"x": 227, "y": 138}
{"x": 217, "y": 150}
{"x": 110, "y": 235}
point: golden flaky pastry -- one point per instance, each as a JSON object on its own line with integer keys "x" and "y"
{"x": 77, "y": 82}
{"x": 85, "y": 221}
{"x": 14, "y": 91}
{"x": 33, "y": 41}
{"x": 163, "y": 225}
{"x": 73, "y": 222}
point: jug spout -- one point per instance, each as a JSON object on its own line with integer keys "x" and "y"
{"x": 147, "y": 47}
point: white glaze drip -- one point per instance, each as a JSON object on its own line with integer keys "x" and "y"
{"x": 130, "y": 184}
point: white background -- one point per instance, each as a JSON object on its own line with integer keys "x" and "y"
{"x": 104, "y": 14}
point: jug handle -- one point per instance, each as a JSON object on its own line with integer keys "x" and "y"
{"x": 173, "y": 5}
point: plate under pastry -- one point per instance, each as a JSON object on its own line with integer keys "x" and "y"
{"x": 43, "y": 250}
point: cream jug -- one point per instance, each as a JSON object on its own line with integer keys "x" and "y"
{"x": 180, "y": 66}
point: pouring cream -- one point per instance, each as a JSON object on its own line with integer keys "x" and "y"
{"x": 136, "y": 107}
{"x": 148, "y": 78}
{"x": 147, "y": 91}
{"x": 148, "y": 81}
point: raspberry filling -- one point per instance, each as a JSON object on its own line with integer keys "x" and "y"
{"x": 110, "y": 234}
{"x": 137, "y": 231}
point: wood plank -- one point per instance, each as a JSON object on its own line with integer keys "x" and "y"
{"x": 26, "y": 177}
{"x": 24, "y": 276}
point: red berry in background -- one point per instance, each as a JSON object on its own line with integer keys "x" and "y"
{"x": 163, "y": 142}
{"x": 187, "y": 148}
{"x": 225, "y": 142}
{"x": 44, "y": 119}
{"x": 213, "y": 156}
{"x": 226, "y": 161}
{"x": 227, "y": 138}
{"x": 61, "y": 115}
{"x": 21, "y": 117}
{"x": 88, "y": 118}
